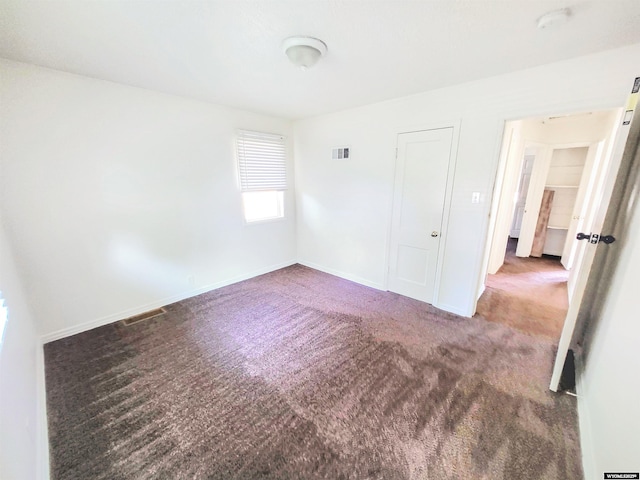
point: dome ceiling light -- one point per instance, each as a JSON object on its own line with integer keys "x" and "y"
{"x": 304, "y": 52}
{"x": 554, "y": 19}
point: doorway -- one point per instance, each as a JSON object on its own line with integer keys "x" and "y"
{"x": 527, "y": 293}
{"x": 553, "y": 174}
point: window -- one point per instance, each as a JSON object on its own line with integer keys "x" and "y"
{"x": 263, "y": 175}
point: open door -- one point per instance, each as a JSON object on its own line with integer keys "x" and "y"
{"x": 533, "y": 200}
{"x": 606, "y": 205}
{"x": 590, "y": 182}
{"x": 528, "y": 160}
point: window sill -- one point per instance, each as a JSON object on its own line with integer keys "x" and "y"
{"x": 266, "y": 220}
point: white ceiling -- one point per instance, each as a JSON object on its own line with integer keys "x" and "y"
{"x": 229, "y": 51}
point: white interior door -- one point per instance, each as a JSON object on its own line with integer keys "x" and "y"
{"x": 523, "y": 189}
{"x": 419, "y": 195}
{"x": 534, "y": 199}
{"x": 602, "y": 202}
{"x": 587, "y": 188}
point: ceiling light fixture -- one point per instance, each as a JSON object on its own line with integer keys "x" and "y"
{"x": 304, "y": 52}
{"x": 554, "y": 18}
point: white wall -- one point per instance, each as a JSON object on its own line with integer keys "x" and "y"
{"x": 610, "y": 385}
{"x": 344, "y": 207}
{"x": 18, "y": 376}
{"x": 119, "y": 199}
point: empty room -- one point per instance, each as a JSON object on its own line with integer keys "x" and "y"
{"x": 248, "y": 239}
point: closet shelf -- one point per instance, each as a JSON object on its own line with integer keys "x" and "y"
{"x": 557, "y": 227}
{"x": 561, "y": 186}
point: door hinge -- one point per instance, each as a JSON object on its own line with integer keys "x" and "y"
{"x": 595, "y": 238}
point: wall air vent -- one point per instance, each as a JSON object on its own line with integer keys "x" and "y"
{"x": 341, "y": 153}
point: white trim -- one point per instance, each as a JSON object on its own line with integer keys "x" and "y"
{"x": 244, "y": 131}
{"x": 42, "y": 430}
{"x": 265, "y": 221}
{"x": 491, "y": 208}
{"x": 341, "y": 274}
{"x": 387, "y": 240}
{"x": 452, "y": 309}
{"x": 455, "y": 122}
{"x": 99, "y": 322}
{"x": 504, "y": 142}
{"x": 446, "y": 208}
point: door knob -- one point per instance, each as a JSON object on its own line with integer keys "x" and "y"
{"x": 434, "y": 234}
{"x": 596, "y": 238}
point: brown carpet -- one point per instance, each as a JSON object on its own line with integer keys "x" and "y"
{"x": 301, "y": 375}
{"x": 529, "y": 294}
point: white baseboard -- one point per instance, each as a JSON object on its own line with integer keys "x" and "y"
{"x": 584, "y": 425}
{"x": 377, "y": 286}
{"x": 99, "y": 322}
{"x": 42, "y": 431}
{"x": 452, "y": 309}
{"x": 346, "y": 276}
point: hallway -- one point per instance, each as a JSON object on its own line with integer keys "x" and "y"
{"x": 529, "y": 294}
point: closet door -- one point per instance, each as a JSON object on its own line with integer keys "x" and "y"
{"x": 422, "y": 166}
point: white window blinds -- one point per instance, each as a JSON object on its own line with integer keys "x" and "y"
{"x": 261, "y": 161}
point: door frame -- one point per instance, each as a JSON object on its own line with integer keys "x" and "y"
{"x": 451, "y": 170}
{"x": 509, "y": 179}
{"x": 536, "y": 188}
{"x": 568, "y": 330}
